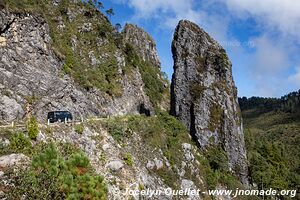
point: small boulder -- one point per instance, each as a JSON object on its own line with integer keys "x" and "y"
{"x": 13, "y": 160}
{"x": 106, "y": 147}
{"x": 150, "y": 164}
{"x": 10, "y": 109}
{"x": 186, "y": 146}
{"x": 115, "y": 165}
{"x": 158, "y": 163}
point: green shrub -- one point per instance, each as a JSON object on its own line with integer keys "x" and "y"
{"x": 32, "y": 128}
{"x": 169, "y": 177}
{"x": 196, "y": 90}
{"x": 141, "y": 187}
{"x": 53, "y": 176}
{"x": 102, "y": 157}
{"x": 215, "y": 170}
{"x": 79, "y": 128}
{"x": 118, "y": 128}
{"x": 217, "y": 159}
{"x": 48, "y": 130}
{"x": 212, "y": 179}
{"x": 66, "y": 69}
{"x": 104, "y": 29}
{"x": 31, "y": 99}
{"x": 216, "y": 116}
{"x": 131, "y": 55}
{"x": 19, "y": 142}
{"x": 151, "y": 75}
{"x": 163, "y": 132}
{"x": 154, "y": 83}
{"x": 128, "y": 159}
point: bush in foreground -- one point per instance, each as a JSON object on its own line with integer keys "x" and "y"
{"x": 51, "y": 176}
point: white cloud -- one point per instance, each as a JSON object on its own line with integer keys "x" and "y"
{"x": 267, "y": 66}
{"x": 295, "y": 78}
{"x": 275, "y": 50}
{"x": 283, "y": 15}
{"x": 270, "y": 57}
{"x": 148, "y": 8}
{"x": 169, "y": 12}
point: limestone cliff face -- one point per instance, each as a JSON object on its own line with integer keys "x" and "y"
{"x": 145, "y": 48}
{"x": 31, "y": 69}
{"x": 142, "y": 42}
{"x": 203, "y": 94}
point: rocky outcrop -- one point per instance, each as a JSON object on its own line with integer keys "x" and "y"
{"x": 142, "y": 42}
{"x": 204, "y": 96}
{"x": 32, "y": 77}
{"x": 107, "y": 157}
{"x": 13, "y": 160}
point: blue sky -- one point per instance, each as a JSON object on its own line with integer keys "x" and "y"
{"x": 262, "y": 38}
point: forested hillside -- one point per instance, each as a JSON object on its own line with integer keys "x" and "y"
{"x": 272, "y": 127}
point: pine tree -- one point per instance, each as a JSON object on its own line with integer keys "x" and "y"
{"x": 118, "y": 27}
{"x": 32, "y": 128}
{"x": 110, "y": 12}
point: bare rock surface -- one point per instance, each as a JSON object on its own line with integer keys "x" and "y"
{"x": 13, "y": 160}
{"x": 142, "y": 42}
{"x": 204, "y": 96}
{"x": 31, "y": 76}
{"x": 107, "y": 158}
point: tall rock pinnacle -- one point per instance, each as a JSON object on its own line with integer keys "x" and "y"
{"x": 142, "y": 42}
{"x": 204, "y": 96}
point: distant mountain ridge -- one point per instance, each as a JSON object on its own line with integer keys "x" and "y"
{"x": 287, "y": 103}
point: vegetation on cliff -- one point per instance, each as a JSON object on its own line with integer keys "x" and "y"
{"x": 167, "y": 133}
{"x": 161, "y": 135}
{"x": 90, "y": 46}
{"x": 60, "y": 171}
{"x": 156, "y": 84}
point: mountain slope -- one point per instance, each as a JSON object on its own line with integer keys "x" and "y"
{"x": 65, "y": 55}
{"x": 131, "y": 152}
{"x": 272, "y": 140}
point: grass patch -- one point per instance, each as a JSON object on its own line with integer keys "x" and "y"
{"x": 152, "y": 77}
{"x": 216, "y": 116}
{"x": 79, "y": 128}
{"x": 160, "y": 132}
{"x": 128, "y": 159}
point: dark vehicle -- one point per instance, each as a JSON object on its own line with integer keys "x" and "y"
{"x": 59, "y": 116}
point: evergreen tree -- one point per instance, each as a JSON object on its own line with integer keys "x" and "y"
{"x": 52, "y": 176}
{"x": 32, "y": 128}
{"x": 100, "y": 5}
{"x": 110, "y": 12}
{"x": 118, "y": 27}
